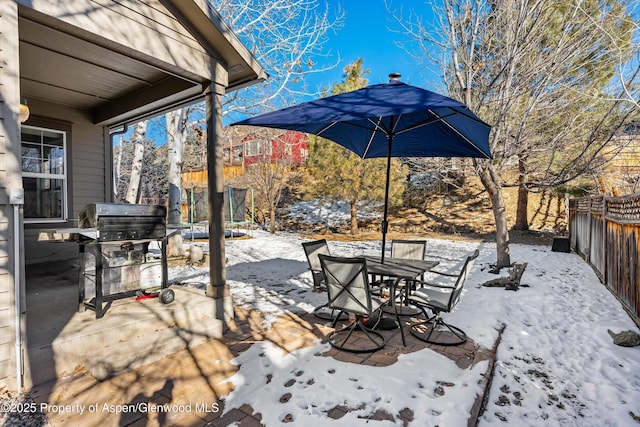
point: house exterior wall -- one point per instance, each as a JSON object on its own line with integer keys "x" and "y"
{"x": 291, "y": 147}
{"x": 88, "y": 176}
{"x": 10, "y": 178}
{"x": 146, "y": 31}
{"x": 140, "y": 30}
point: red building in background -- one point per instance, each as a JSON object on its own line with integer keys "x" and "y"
{"x": 284, "y": 146}
{"x": 274, "y": 146}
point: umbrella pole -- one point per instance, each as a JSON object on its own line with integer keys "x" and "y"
{"x": 385, "y": 222}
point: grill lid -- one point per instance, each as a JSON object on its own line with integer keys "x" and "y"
{"x": 122, "y": 221}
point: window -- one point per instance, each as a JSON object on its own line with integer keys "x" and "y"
{"x": 44, "y": 174}
{"x": 257, "y": 148}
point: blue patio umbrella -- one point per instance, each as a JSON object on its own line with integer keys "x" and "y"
{"x": 387, "y": 120}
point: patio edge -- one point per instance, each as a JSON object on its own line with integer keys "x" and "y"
{"x": 480, "y": 404}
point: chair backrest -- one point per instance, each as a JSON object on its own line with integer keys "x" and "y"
{"x": 347, "y": 283}
{"x": 409, "y": 249}
{"x": 312, "y": 250}
{"x": 462, "y": 277}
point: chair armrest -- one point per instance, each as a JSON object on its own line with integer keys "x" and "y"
{"x": 442, "y": 273}
{"x": 423, "y": 283}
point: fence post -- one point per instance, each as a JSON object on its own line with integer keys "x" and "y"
{"x": 587, "y": 252}
{"x": 567, "y": 212}
{"x": 604, "y": 239}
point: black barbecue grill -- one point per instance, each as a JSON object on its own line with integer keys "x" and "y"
{"x": 117, "y": 259}
{"x": 121, "y": 221}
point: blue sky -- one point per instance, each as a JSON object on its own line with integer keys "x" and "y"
{"x": 367, "y": 34}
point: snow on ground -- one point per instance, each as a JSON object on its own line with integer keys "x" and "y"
{"x": 332, "y": 214}
{"x": 557, "y": 365}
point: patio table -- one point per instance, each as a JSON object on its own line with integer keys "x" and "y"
{"x": 402, "y": 268}
{"x": 399, "y": 269}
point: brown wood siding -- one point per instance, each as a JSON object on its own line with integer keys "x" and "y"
{"x": 191, "y": 179}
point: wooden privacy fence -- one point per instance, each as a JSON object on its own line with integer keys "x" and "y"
{"x": 606, "y": 232}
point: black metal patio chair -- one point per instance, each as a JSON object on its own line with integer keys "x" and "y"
{"x": 347, "y": 283}
{"x": 407, "y": 249}
{"x": 440, "y": 298}
{"x": 312, "y": 250}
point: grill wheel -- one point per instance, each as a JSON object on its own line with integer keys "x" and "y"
{"x": 167, "y": 296}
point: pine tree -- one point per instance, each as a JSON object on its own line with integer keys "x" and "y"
{"x": 337, "y": 174}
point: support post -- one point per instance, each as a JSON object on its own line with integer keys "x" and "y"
{"x": 217, "y": 287}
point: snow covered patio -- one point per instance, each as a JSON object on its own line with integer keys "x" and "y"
{"x": 555, "y": 363}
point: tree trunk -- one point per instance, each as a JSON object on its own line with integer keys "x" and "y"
{"x": 176, "y": 129}
{"x": 491, "y": 182}
{"x": 522, "y": 217}
{"x": 354, "y": 218}
{"x": 116, "y": 172}
{"x": 272, "y": 220}
{"x": 133, "y": 190}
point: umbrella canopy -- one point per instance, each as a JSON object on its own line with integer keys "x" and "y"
{"x": 387, "y": 120}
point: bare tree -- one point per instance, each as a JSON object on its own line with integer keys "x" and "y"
{"x": 464, "y": 25}
{"x": 627, "y": 78}
{"x": 287, "y": 37}
{"x": 565, "y": 116}
{"x": 117, "y": 172}
{"x": 272, "y": 168}
{"x": 153, "y": 181}
{"x": 139, "y": 136}
{"x": 536, "y": 71}
{"x": 176, "y": 136}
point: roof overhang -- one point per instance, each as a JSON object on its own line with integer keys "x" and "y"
{"x": 71, "y": 54}
{"x": 220, "y": 41}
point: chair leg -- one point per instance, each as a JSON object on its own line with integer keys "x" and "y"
{"x": 425, "y": 329}
{"x": 404, "y": 341}
{"x": 372, "y": 326}
{"x": 336, "y": 318}
{"x": 325, "y": 313}
{"x": 376, "y": 339}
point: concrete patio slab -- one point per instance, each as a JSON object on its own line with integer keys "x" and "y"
{"x": 133, "y": 332}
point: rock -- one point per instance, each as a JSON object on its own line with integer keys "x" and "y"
{"x": 196, "y": 254}
{"x": 625, "y": 338}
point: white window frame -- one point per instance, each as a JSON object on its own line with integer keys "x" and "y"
{"x": 62, "y": 176}
{"x": 257, "y": 147}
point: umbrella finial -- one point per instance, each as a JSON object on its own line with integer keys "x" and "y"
{"x": 394, "y": 77}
